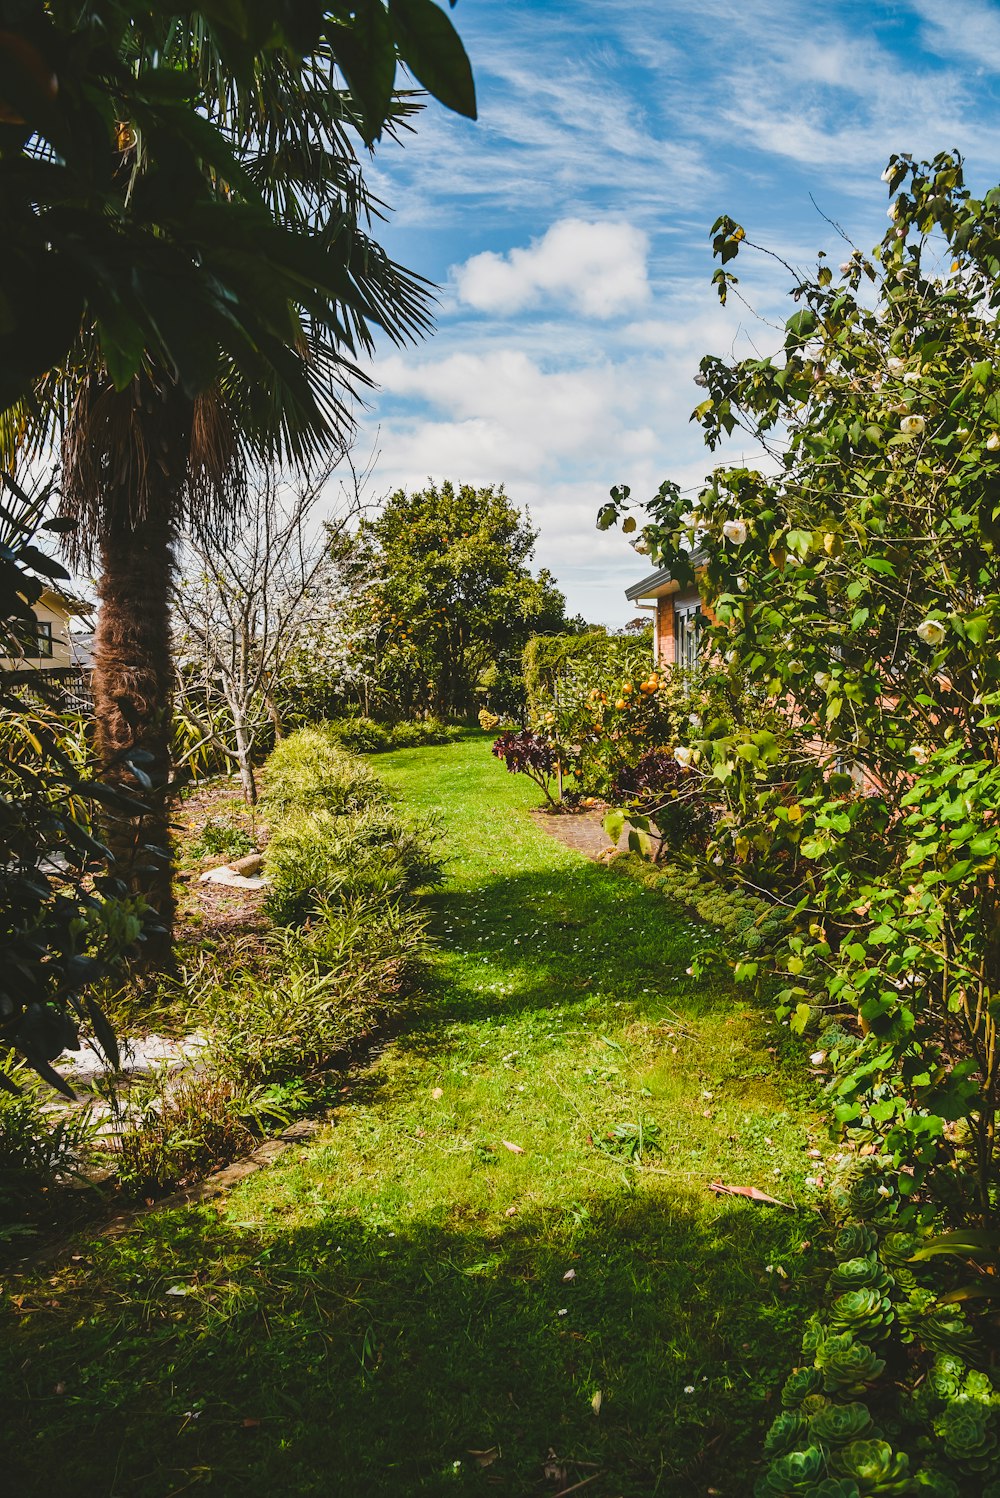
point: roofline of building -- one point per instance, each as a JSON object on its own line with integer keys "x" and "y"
{"x": 660, "y": 582}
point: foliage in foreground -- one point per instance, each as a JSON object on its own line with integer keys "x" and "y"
{"x": 891, "y": 1396}
{"x": 855, "y": 585}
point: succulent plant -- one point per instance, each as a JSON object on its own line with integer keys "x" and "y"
{"x": 940, "y": 1328}
{"x": 967, "y": 1430}
{"x": 864, "y": 1273}
{"x": 797, "y": 1473}
{"x": 896, "y": 1249}
{"x": 838, "y": 1424}
{"x": 944, "y": 1379}
{"x": 867, "y": 1313}
{"x": 856, "y": 1193}
{"x": 992, "y": 1489}
{"x": 834, "y": 1487}
{"x": 854, "y": 1240}
{"x": 848, "y": 1366}
{"x": 813, "y": 1403}
{"x": 788, "y": 1432}
{"x": 932, "y": 1484}
{"x": 798, "y": 1384}
{"x": 813, "y": 1336}
{"x": 874, "y": 1466}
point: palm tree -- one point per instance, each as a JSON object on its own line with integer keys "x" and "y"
{"x": 284, "y": 232}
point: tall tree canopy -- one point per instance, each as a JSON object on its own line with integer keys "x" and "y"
{"x": 444, "y": 580}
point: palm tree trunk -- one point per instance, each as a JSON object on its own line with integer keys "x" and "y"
{"x": 132, "y": 695}
{"x": 133, "y": 669}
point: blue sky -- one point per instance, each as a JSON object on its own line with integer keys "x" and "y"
{"x": 568, "y": 229}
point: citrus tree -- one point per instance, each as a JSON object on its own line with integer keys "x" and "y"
{"x": 854, "y": 582}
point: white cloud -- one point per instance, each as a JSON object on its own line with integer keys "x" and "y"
{"x": 598, "y": 268}
{"x": 965, "y": 29}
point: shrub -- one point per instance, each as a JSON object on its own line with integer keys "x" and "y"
{"x": 221, "y": 837}
{"x": 408, "y": 736}
{"x": 424, "y": 731}
{"x": 659, "y": 788}
{"x": 344, "y": 974}
{"x": 315, "y": 856}
{"x": 359, "y": 735}
{"x": 36, "y": 1151}
{"x": 172, "y": 1129}
{"x": 310, "y": 771}
{"x": 527, "y": 753}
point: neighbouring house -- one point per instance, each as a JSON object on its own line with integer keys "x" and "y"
{"x": 57, "y": 651}
{"x": 677, "y": 613}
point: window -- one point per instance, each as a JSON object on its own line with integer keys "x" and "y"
{"x": 687, "y": 618}
{"x": 44, "y": 634}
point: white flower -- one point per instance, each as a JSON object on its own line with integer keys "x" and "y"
{"x": 741, "y": 583}
{"x": 695, "y": 720}
{"x": 993, "y": 442}
{"x": 912, "y": 426}
{"x": 920, "y": 753}
{"x": 817, "y": 1058}
{"x": 892, "y": 211}
{"x": 846, "y": 268}
{"x": 735, "y": 531}
{"x": 822, "y": 679}
{"x": 888, "y": 173}
{"x": 683, "y": 756}
{"x": 963, "y": 434}
{"x": 931, "y": 631}
{"x": 689, "y": 1388}
{"x": 641, "y": 546}
{"x": 884, "y": 1191}
{"x": 718, "y": 859}
{"x": 911, "y": 377}
{"x": 895, "y": 365}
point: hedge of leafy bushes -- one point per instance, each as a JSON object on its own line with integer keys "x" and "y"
{"x": 335, "y": 836}
{"x": 365, "y": 736}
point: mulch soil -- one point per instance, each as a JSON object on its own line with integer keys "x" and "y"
{"x": 580, "y": 830}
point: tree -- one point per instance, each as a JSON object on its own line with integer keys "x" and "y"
{"x": 445, "y": 583}
{"x": 200, "y": 209}
{"x": 242, "y": 610}
{"x": 855, "y": 584}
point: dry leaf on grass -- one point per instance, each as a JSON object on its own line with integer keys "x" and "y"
{"x": 751, "y": 1192}
{"x": 515, "y": 1149}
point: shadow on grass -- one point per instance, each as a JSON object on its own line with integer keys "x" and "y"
{"x": 344, "y": 1359}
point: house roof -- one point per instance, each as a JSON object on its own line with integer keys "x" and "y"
{"x": 659, "y": 583}
{"x": 73, "y": 606}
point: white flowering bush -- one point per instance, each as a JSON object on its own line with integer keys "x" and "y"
{"x": 855, "y": 586}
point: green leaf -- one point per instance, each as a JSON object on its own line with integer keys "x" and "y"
{"x": 431, "y": 48}
{"x": 366, "y": 55}
{"x": 614, "y": 825}
{"x": 800, "y": 1018}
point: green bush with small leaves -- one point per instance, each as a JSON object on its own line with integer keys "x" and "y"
{"x": 311, "y": 771}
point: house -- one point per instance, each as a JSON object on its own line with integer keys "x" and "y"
{"x": 54, "y": 650}
{"x": 677, "y": 611}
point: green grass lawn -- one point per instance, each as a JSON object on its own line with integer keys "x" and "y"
{"x": 412, "y": 1306}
